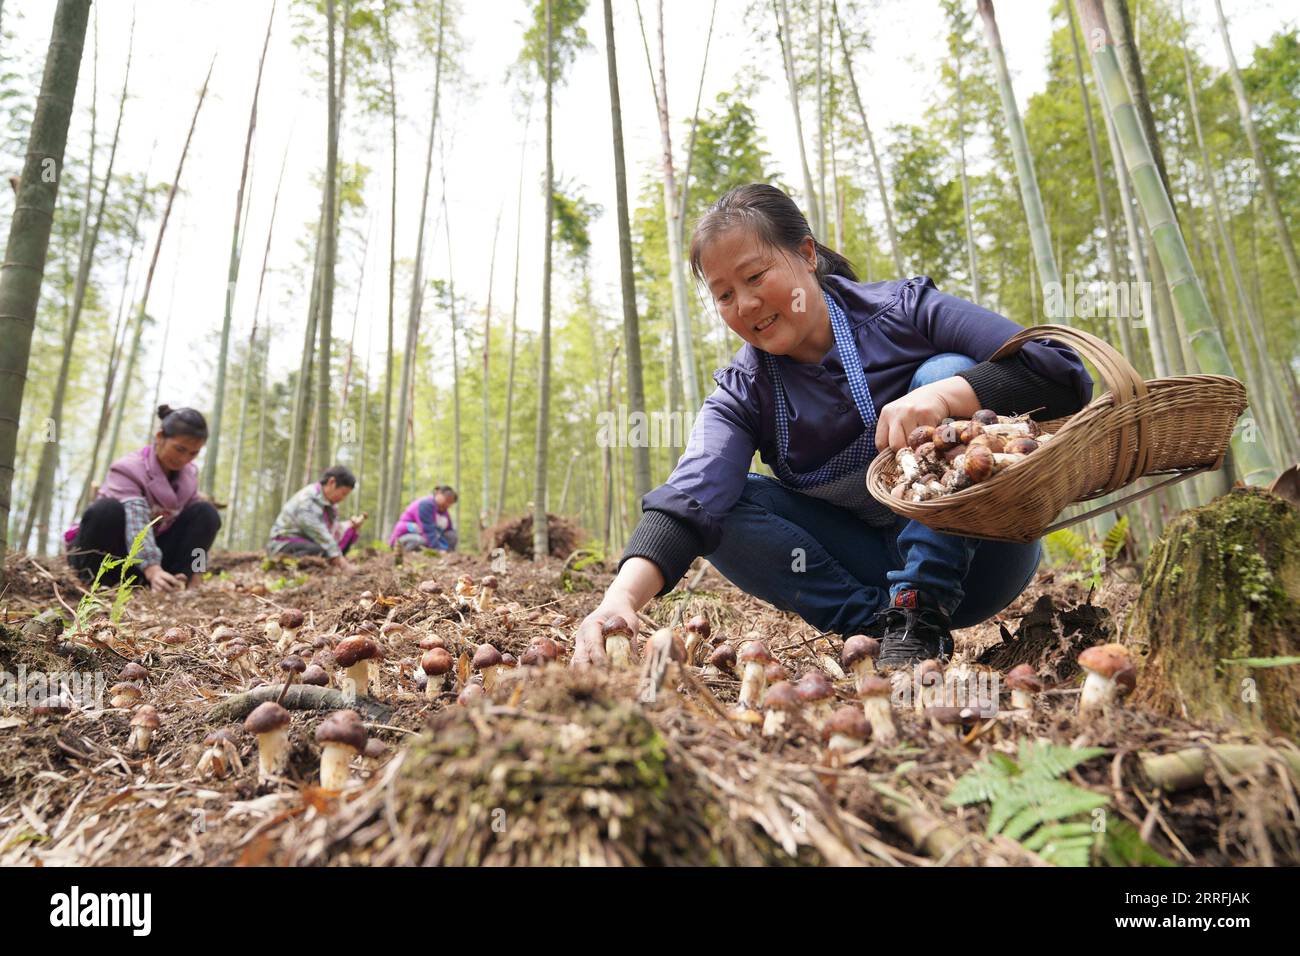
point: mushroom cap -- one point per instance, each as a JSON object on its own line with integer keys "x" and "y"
{"x": 291, "y": 618}
{"x": 394, "y": 629}
{"x": 219, "y": 735}
{"x": 350, "y": 650}
{"x": 127, "y": 689}
{"x": 755, "y": 652}
{"x": 53, "y": 705}
{"x": 775, "y": 671}
{"x": 723, "y": 657}
{"x": 815, "y": 686}
{"x": 429, "y": 587}
{"x": 615, "y": 625}
{"x": 430, "y": 642}
{"x": 531, "y": 657}
{"x": 324, "y": 658}
{"x": 375, "y": 749}
{"x": 486, "y": 656}
{"x": 235, "y": 650}
{"x": 315, "y": 676}
{"x": 858, "y": 648}
{"x": 175, "y": 635}
{"x": 954, "y": 716}
{"x": 1105, "y": 659}
{"x": 266, "y": 717}
{"x": 1024, "y": 677}
{"x": 294, "y": 664}
{"x": 508, "y": 660}
{"x": 146, "y": 715}
{"x": 848, "y": 721}
{"x": 782, "y": 696}
{"x": 471, "y": 694}
{"x": 342, "y": 727}
{"x": 489, "y": 581}
{"x": 1126, "y": 680}
{"x": 367, "y": 596}
{"x": 699, "y": 624}
{"x": 368, "y": 627}
{"x": 547, "y": 648}
{"x": 928, "y": 667}
{"x": 224, "y": 633}
{"x": 134, "y": 671}
{"x": 321, "y": 641}
{"x": 875, "y": 686}
{"x": 436, "y": 661}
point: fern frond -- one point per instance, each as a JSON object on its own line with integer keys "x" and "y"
{"x": 1115, "y": 539}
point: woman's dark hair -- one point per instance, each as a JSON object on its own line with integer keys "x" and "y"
{"x": 182, "y": 423}
{"x": 774, "y": 218}
{"x": 447, "y": 490}
{"x": 341, "y": 474}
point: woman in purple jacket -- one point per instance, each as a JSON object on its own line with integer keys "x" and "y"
{"x": 832, "y": 371}
{"x": 160, "y": 481}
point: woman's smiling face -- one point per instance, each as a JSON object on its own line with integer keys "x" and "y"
{"x": 766, "y": 295}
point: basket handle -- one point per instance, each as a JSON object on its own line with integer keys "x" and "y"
{"x": 1120, "y": 379}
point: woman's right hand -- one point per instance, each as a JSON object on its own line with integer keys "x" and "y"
{"x": 588, "y": 642}
{"x": 160, "y": 580}
{"x": 638, "y": 580}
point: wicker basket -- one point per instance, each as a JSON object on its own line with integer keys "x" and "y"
{"x": 1176, "y": 426}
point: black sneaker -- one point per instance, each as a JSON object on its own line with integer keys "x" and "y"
{"x": 913, "y": 630}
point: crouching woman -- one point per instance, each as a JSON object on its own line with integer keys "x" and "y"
{"x": 160, "y": 482}
{"x": 308, "y": 523}
{"x": 832, "y": 371}
{"x": 426, "y": 523}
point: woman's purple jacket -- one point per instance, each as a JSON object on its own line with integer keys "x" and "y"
{"x": 897, "y": 325}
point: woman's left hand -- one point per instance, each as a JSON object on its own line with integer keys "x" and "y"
{"x": 928, "y": 405}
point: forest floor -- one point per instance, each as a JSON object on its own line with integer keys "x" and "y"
{"x": 577, "y": 766}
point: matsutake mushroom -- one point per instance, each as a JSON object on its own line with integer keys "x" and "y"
{"x": 125, "y": 694}
{"x": 754, "y": 656}
{"x": 354, "y": 655}
{"x": 780, "y": 701}
{"x": 465, "y": 591}
{"x": 617, "y": 634}
{"x": 221, "y": 757}
{"x": 487, "y": 660}
{"x": 818, "y": 695}
{"x": 436, "y": 663}
{"x": 697, "y": 637}
{"x": 269, "y": 722}
{"x": 487, "y": 589}
{"x": 342, "y": 736}
{"x": 143, "y": 724}
{"x": 286, "y": 628}
{"x": 1104, "y": 664}
{"x": 722, "y": 662}
{"x": 846, "y": 730}
{"x": 858, "y": 657}
{"x": 1025, "y": 684}
{"x": 875, "y": 693}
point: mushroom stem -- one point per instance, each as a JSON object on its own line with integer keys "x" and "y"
{"x": 140, "y": 739}
{"x": 618, "y": 647}
{"x": 433, "y": 685}
{"x": 773, "y": 723}
{"x": 272, "y": 753}
{"x": 279, "y": 699}
{"x": 752, "y": 685}
{"x": 1098, "y": 692}
{"x": 490, "y": 677}
{"x": 334, "y": 766}
{"x": 1022, "y": 700}
{"x": 359, "y": 674}
{"x": 879, "y": 713}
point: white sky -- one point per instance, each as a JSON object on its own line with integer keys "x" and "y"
{"x": 175, "y": 39}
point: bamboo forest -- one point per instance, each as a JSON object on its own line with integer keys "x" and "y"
{"x": 429, "y": 435}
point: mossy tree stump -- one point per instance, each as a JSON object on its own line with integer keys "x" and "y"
{"x": 1223, "y": 583}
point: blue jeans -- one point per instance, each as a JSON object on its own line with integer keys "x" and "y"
{"x": 836, "y": 572}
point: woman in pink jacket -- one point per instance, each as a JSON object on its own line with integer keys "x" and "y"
{"x": 160, "y": 481}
